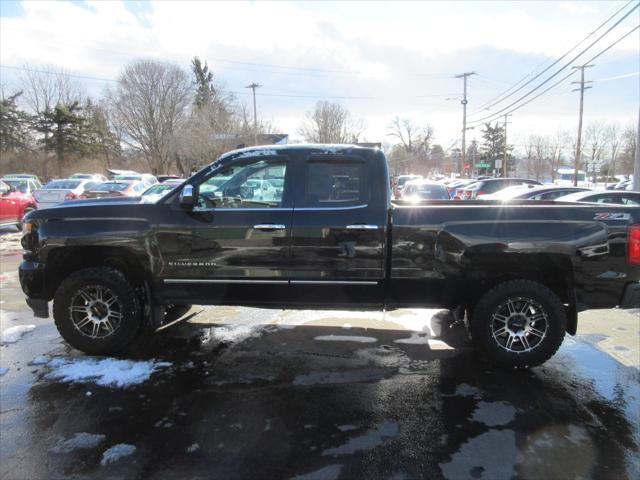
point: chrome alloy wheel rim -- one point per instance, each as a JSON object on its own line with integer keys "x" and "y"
{"x": 96, "y": 312}
{"x": 519, "y": 325}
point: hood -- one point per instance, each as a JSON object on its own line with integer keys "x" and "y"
{"x": 93, "y": 208}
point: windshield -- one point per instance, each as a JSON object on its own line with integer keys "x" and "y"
{"x": 63, "y": 184}
{"x": 21, "y": 186}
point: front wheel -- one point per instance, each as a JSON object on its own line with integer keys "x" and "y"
{"x": 519, "y": 323}
{"x": 97, "y": 311}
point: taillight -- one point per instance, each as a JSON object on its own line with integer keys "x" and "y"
{"x": 70, "y": 196}
{"x": 633, "y": 244}
{"x": 480, "y": 193}
{"x": 83, "y": 196}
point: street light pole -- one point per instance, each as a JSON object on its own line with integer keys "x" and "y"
{"x": 464, "y": 102}
{"x": 253, "y": 87}
{"x": 576, "y": 163}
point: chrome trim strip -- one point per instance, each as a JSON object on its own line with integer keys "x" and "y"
{"x": 362, "y": 227}
{"x": 227, "y": 209}
{"x": 313, "y": 209}
{"x": 223, "y": 280}
{"x": 269, "y": 226}
{"x": 334, "y": 282}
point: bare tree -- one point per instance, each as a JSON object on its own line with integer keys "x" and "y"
{"x": 628, "y": 150}
{"x": 539, "y": 151}
{"x": 556, "y": 144}
{"x": 594, "y": 135}
{"x": 413, "y": 145}
{"x": 47, "y": 86}
{"x": 150, "y": 104}
{"x": 613, "y": 136}
{"x": 330, "y": 122}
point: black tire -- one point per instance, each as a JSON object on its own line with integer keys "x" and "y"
{"x": 126, "y": 304}
{"x": 174, "y": 312}
{"x": 545, "y": 315}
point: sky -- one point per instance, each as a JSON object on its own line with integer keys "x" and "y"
{"x": 378, "y": 59}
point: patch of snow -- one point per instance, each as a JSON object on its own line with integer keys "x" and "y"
{"x": 346, "y": 338}
{"x": 369, "y": 440}
{"x": 103, "y": 371}
{"x": 414, "y": 339}
{"x": 193, "y": 448}
{"x": 41, "y": 360}
{"x": 3, "y": 371}
{"x": 13, "y": 334}
{"x": 117, "y": 452}
{"x": 234, "y": 333}
{"x": 330, "y": 472}
{"x": 77, "y": 442}
{"x": 347, "y": 326}
{"x": 438, "y": 345}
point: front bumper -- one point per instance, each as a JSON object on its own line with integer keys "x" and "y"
{"x": 32, "y": 281}
{"x": 631, "y": 296}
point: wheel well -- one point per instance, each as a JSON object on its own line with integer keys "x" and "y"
{"x": 555, "y": 280}
{"x": 61, "y": 262}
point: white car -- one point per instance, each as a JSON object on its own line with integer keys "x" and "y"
{"x": 96, "y": 177}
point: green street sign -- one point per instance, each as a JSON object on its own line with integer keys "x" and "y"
{"x": 482, "y": 165}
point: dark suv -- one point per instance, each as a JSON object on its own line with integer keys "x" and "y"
{"x": 492, "y": 185}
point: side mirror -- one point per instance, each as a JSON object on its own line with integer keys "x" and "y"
{"x": 186, "y": 197}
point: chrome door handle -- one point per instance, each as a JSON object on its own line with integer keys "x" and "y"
{"x": 269, "y": 226}
{"x": 362, "y": 226}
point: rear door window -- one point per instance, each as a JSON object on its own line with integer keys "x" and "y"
{"x": 335, "y": 183}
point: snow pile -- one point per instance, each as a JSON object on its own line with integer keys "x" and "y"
{"x": 78, "y": 441}
{"x": 13, "y": 334}
{"x": 103, "y": 371}
{"x": 117, "y": 452}
{"x": 234, "y": 333}
{"x": 41, "y": 360}
{"x": 415, "y": 339}
{"x": 346, "y": 338}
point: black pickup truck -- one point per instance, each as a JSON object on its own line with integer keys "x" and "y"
{"x": 313, "y": 227}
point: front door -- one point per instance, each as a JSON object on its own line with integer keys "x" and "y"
{"x": 234, "y": 247}
{"x": 338, "y": 233}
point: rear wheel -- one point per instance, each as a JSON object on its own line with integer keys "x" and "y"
{"x": 97, "y": 310}
{"x": 519, "y": 324}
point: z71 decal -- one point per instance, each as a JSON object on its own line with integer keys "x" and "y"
{"x": 612, "y": 216}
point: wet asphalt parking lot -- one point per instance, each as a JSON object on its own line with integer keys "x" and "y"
{"x": 236, "y": 393}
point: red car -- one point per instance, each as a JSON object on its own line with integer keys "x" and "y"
{"x": 16, "y": 200}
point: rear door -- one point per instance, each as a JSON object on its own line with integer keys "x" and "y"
{"x": 338, "y": 232}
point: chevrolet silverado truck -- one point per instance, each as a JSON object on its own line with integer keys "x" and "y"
{"x": 314, "y": 227}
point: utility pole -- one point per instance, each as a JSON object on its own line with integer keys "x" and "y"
{"x": 504, "y": 160}
{"x": 253, "y": 87}
{"x": 636, "y": 165}
{"x": 576, "y": 163}
{"x": 464, "y": 102}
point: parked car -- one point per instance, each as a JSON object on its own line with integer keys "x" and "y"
{"x": 127, "y": 188}
{"x": 24, "y": 176}
{"x": 96, "y": 177}
{"x": 14, "y": 204}
{"x": 615, "y": 197}
{"x": 146, "y": 178}
{"x": 532, "y": 192}
{"x": 332, "y": 240}
{"x": 400, "y": 182}
{"x": 58, "y": 191}
{"x": 417, "y": 191}
{"x": 164, "y": 178}
{"x": 453, "y": 187}
{"x": 24, "y": 185}
{"x": 159, "y": 190}
{"x": 492, "y": 185}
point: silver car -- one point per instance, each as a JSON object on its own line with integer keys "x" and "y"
{"x": 59, "y": 191}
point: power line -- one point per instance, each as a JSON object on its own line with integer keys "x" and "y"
{"x": 506, "y": 93}
{"x": 564, "y": 67}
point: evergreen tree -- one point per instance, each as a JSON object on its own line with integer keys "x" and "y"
{"x": 14, "y": 125}
{"x": 205, "y": 91}
{"x": 65, "y": 132}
